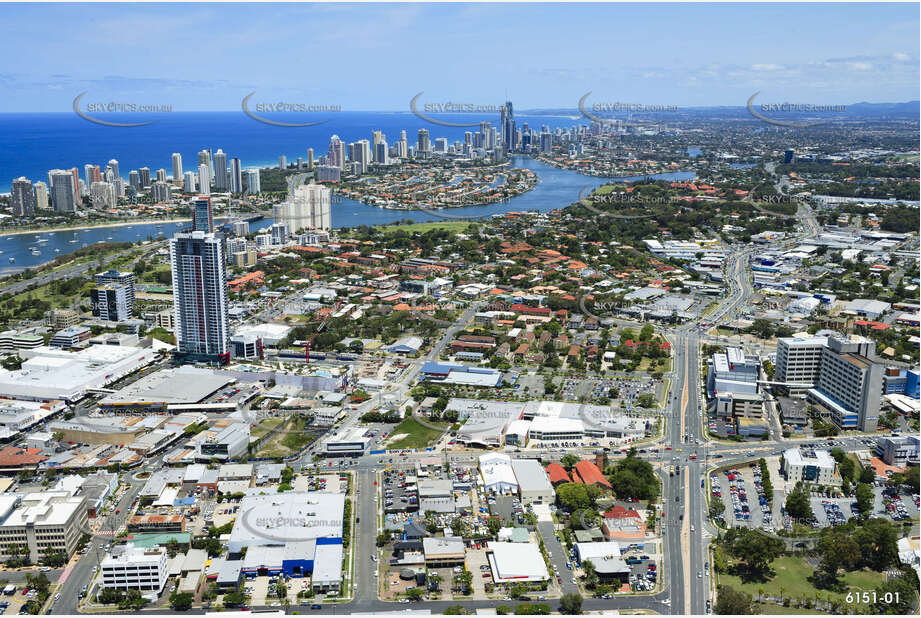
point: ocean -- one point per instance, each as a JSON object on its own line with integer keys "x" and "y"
{"x": 39, "y": 142}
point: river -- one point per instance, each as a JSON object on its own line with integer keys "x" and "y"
{"x": 556, "y": 188}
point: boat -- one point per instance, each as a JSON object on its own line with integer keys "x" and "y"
{"x": 12, "y": 259}
{"x": 73, "y": 241}
{"x": 36, "y": 252}
{"x": 42, "y": 240}
{"x": 108, "y": 238}
{"x": 31, "y": 248}
{"x": 57, "y": 250}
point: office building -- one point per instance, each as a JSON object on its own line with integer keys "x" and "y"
{"x": 310, "y": 161}
{"x": 282, "y": 162}
{"x": 200, "y": 296}
{"x": 308, "y": 208}
{"x": 202, "y": 217}
{"x": 113, "y": 166}
{"x": 189, "y": 182}
{"x": 809, "y": 466}
{"x": 23, "y": 197}
{"x": 236, "y": 176}
{"x": 253, "y": 185}
{"x": 134, "y": 180}
{"x": 135, "y": 568}
{"x": 63, "y": 191}
{"x": 161, "y": 175}
{"x": 732, "y": 371}
{"x": 41, "y": 523}
{"x": 898, "y": 451}
{"x": 204, "y": 179}
{"x": 229, "y": 443}
{"x": 220, "y": 170}
{"x": 850, "y": 383}
{"x": 798, "y": 362}
{"x": 177, "y": 167}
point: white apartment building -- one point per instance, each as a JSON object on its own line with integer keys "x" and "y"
{"x": 308, "y": 208}
{"x": 135, "y": 568}
{"x": 41, "y": 522}
{"x": 809, "y": 466}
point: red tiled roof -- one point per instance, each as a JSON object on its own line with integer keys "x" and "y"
{"x": 557, "y": 473}
{"x": 13, "y": 456}
{"x": 619, "y": 512}
{"x": 590, "y": 474}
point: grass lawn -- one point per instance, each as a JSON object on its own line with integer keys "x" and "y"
{"x": 646, "y": 365}
{"x": 288, "y": 441}
{"x": 263, "y": 428}
{"x": 792, "y": 572}
{"x": 453, "y": 226}
{"x": 417, "y": 435}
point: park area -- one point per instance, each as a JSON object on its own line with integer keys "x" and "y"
{"x": 791, "y": 588}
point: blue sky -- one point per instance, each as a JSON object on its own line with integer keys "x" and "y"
{"x": 199, "y": 57}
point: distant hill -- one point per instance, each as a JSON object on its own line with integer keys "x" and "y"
{"x": 908, "y": 109}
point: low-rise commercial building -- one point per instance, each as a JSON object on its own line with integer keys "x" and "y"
{"x": 41, "y": 522}
{"x": 533, "y": 484}
{"x": 810, "y": 466}
{"x": 897, "y": 451}
{"x": 135, "y": 568}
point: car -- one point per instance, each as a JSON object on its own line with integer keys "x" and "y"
{"x": 316, "y": 606}
{"x": 699, "y": 574}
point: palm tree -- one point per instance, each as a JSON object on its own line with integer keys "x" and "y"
{"x": 781, "y": 594}
{"x": 760, "y": 593}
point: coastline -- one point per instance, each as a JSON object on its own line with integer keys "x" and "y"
{"x": 94, "y": 226}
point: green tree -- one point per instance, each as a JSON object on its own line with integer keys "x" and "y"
{"x": 234, "y": 599}
{"x": 864, "y": 494}
{"x": 839, "y": 551}
{"x": 181, "y": 601}
{"x": 868, "y": 475}
{"x": 635, "y": 478}
{"x": 717, "y": 508}
{"x": 569, "y": 461}
{"x": 574, "y": 496}
{"x": 756, "y": 551}
{"x": 877, "y": 539}
{"x": 797, "y": 504}
{"x": 730, "y": 601}
{"x": 896, "y": 596}
{"x": 571, "y": 604}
